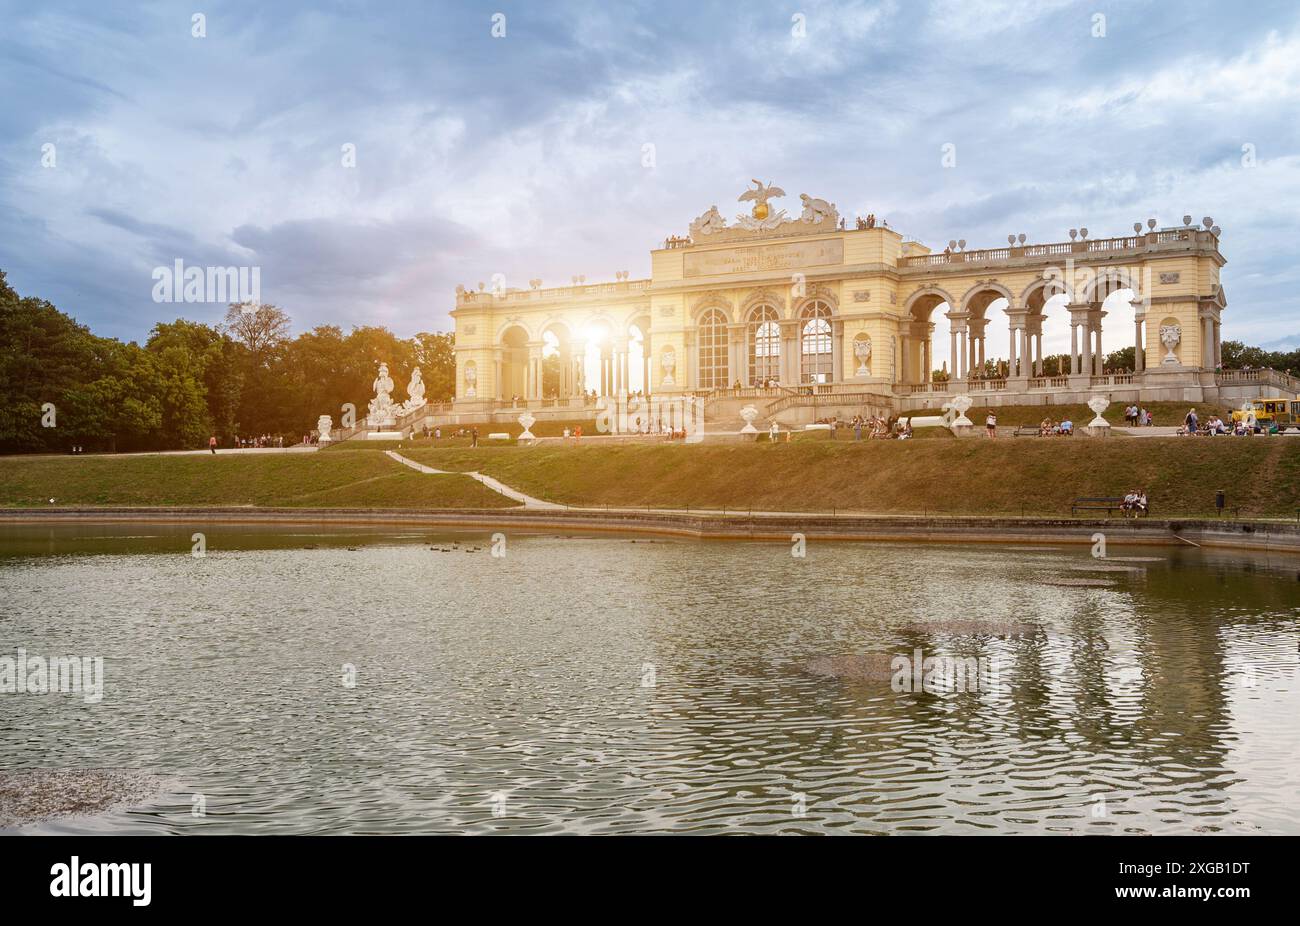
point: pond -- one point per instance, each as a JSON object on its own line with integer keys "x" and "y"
{"x": 329, "y": 680}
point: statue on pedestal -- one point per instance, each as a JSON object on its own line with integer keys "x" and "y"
{"x": 1170, "y": 335}
{"x": 956, "y": 409}
{"x": 416, "y": 392}
{"x": 862, "y": 350}
{"x": 1098, "y": 404}
{"x": 383, "y": 411}
{"x": 323, "y": 425}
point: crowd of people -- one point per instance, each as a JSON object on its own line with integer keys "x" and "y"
{"x": 1049, "y": 428}
{"x": 1214, "y": 426}
{"x": 1135, "y": 416}
{"x": 260, "y": 440}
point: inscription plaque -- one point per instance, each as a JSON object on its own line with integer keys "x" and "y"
{"x": 764, "y": 257}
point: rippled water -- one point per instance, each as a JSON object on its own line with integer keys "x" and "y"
{"x": 615, "y": 685}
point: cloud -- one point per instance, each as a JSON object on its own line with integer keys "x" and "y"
{"x": 529, "y": 155}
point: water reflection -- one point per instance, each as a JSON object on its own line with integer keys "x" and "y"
{"x": 513, "y": 694}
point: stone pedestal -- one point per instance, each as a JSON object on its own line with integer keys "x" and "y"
{"x": 1098, "y": 430}
{"x": 963, "y": 430}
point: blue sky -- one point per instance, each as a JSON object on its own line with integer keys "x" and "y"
{"x": 523, "y": 155}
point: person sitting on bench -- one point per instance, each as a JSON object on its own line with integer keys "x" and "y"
{"x": 1066, "y": 428}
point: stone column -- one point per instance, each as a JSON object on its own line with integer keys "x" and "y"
{"x": 837, "y": 351}
{"x": 1218, "y": 343}
{"x": 790, "y": 359}
{"x": 952, "y": 361}
{"x": 1207, "y": 342}
{"x": 1085, "y": 346}
{"x": 533, "y": 373}
{"x": 1139, "y": 347}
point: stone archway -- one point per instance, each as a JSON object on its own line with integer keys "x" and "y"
{"x": 512, "y": 365}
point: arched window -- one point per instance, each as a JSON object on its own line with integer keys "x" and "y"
{"x": 765, "y": 345}
{"x": 816, "y": 343}
{"x": 712, "y": 332}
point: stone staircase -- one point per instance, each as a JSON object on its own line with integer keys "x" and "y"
{"x": 793, "y": 407}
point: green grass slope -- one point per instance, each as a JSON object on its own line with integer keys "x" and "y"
{"x": 310, "y": 480}
{"x": 1039, "y": 476}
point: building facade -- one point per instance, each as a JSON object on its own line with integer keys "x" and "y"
{"x": 776, "y": 303}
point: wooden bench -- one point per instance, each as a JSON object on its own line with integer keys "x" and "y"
{"x": 1107, "y": 504}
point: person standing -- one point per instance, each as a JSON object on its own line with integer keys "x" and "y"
{"x": 473, "y": 437}
{"x": 1191, "y": 422}
{"x": 212, "y": 443}
{"x": 991, "y": 424}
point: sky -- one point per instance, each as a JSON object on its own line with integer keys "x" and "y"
{"x": 588, "y": 132}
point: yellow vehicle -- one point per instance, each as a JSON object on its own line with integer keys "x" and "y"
{"x": 1271, "y": 414}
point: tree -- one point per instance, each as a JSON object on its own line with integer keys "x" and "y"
{"x": 436, "y": 355}
{"x": 1120, "y": 360}
{"x": 262, "y": 328}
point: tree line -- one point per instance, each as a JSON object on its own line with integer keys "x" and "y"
{"x": 63, "y": 386}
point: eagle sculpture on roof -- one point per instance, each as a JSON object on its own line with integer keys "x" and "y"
{"x": 761, "y": 194}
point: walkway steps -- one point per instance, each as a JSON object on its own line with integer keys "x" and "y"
{"x": 495, "y": 485}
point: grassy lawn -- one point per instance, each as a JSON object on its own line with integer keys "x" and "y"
{"x": 306, "y": 480}
{"x": 959, "y": 476}
{"x": 941, "y": 476}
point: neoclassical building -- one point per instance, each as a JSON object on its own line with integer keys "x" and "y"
{"x": 784, "y": 305}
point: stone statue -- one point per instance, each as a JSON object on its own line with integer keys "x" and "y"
{"x": 668, "y": 363}
{"x": 526, "y": 421}
{"x": 761, "y": 217}
{"x": 862, "y": 350}
{"x": 323, "y": 425}
{"x": 749, "y": 413}
{"x": 815, "y": 210}
{"x": 416, "y": 392}
{"x": 708, "y": 223}
{"x": 471, "y": 380}
{"x": 956, "y": 409}
{"x": 1170, "y": 335}
{"x": 1098, "y": 404}
{"x": 760, "y": 195}
{"x": 383, "y": 411}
